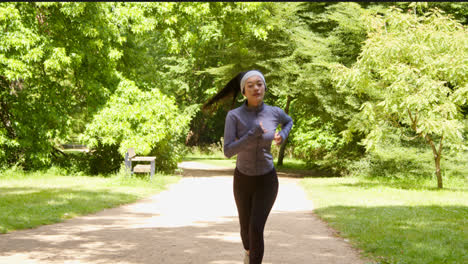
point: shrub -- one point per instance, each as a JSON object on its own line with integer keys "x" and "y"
{"x": 401, "y": 162}
{"x": 73, "y": 162}
{"x": 319, "y": 146}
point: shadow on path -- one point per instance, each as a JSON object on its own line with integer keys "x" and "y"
{"x": 286, "y": 241}
{"x": 194, "y": 221}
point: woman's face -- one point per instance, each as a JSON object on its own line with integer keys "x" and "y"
{"x": 254, "y": 90}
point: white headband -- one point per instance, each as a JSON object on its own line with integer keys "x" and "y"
{"x": 248, "y": 75}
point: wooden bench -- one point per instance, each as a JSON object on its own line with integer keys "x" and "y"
{"x": 131, "y": 156}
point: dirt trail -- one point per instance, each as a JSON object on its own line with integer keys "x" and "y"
{"x": 194, "y": 221}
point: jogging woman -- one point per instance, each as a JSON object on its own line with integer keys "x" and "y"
{"x": 248, "y": 133}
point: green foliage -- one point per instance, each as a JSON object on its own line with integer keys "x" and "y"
{"x": 315, "y": 142}
{"x": 456, "y": 9}
{"x": 411, "y": 66}
{"x": 397, "y": 158}
{"x": 202, "y": 47}
{"x": 411, "y": 74}
{"x": 55, "y": 66}
{"x": 400, "y": 162}
{"x": 150, "y": 122}
{"x": 183, "y": 53}
{"x": 395, "y": 162}
{"x": 61, "y": 63}
{"x": 73, "y": 162}
{"x": 103, "y": 159}
{"x": 211, "y": 151}
{"x": 313, "y": 36}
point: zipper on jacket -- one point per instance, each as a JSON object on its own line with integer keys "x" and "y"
{"x": 256, "y": 149}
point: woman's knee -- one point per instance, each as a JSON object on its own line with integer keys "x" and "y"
{"x": 256, "y": 229}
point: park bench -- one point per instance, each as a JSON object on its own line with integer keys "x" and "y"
{"x": 131, "y": 156}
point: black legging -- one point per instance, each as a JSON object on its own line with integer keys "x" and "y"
{"x": 255, "y": 196}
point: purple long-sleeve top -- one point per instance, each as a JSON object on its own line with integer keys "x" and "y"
{"x": 244, "y": 136}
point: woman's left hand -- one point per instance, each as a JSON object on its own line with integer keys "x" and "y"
{"x": 278, "y": 139}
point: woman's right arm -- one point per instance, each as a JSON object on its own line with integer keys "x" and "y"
{"x": 232, "y": 145}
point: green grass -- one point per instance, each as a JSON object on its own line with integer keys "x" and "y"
{"x": 215, "y": 158}
{"x": 231, "y": 163}
{"x": 218, "y": 159}
{"x": 294, "y": 165}
{"x": 397, "y": 221}
{"x": 29, "y": 200}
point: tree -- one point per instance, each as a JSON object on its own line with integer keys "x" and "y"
{"x": 411, "y": 74}
{"x": 310, "y": 37}
{"x": 58, "y": 64}
{"x": 148, "y": 121}
{"x": 231, "y": 39}
{"x": 45, "y": 50}
{"x": 193, "y": 50}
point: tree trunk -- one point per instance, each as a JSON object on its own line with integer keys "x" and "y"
{"x": 12, "y": 153}
{"x": 437, "y": 153}
{"x": 437, "y": 157}
{"x": 283, "y": 145}
{"x": 6, "y": 120}
{"x": 439, "y": 176}
{"x": 5, "y": 116}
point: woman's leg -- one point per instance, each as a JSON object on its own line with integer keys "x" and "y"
{"x": 242, "y": 187}
{"x": 262, "y": 201}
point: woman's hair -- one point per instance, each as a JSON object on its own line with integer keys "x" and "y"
{"x": 232, "y": 88}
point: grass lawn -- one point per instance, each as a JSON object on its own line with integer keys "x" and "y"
{"x": 218, "y": 159}
{"x": 29, "y": 200}
{"x": 397, "y": 221}
{"x": 221, "y": 162}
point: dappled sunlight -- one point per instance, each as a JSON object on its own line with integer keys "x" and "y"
{"x": 39, "y": 205}
{"x": 318, "y": 237}
{"x": 194, "y": 221}
{"x": 18, "y": 191}
{"x": 224, "y": 236}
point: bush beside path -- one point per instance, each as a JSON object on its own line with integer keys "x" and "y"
{"x": 193, "y": 221}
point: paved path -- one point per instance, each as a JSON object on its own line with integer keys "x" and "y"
{"x": 194, "y": 221}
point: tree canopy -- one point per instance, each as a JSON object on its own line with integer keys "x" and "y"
{"x": 412, "y": 75}
{"x": 352, "y": 75}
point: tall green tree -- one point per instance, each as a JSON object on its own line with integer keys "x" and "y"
{"x": 232, "y": 40}
{"x": 58, "y": 67}
{"x": 303, "y": 40}
{"x": 312, "y": 36}
{"x": 55, "y": 60}
{"x": 193, "y": 50}
{"x": 411, "y": 74}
